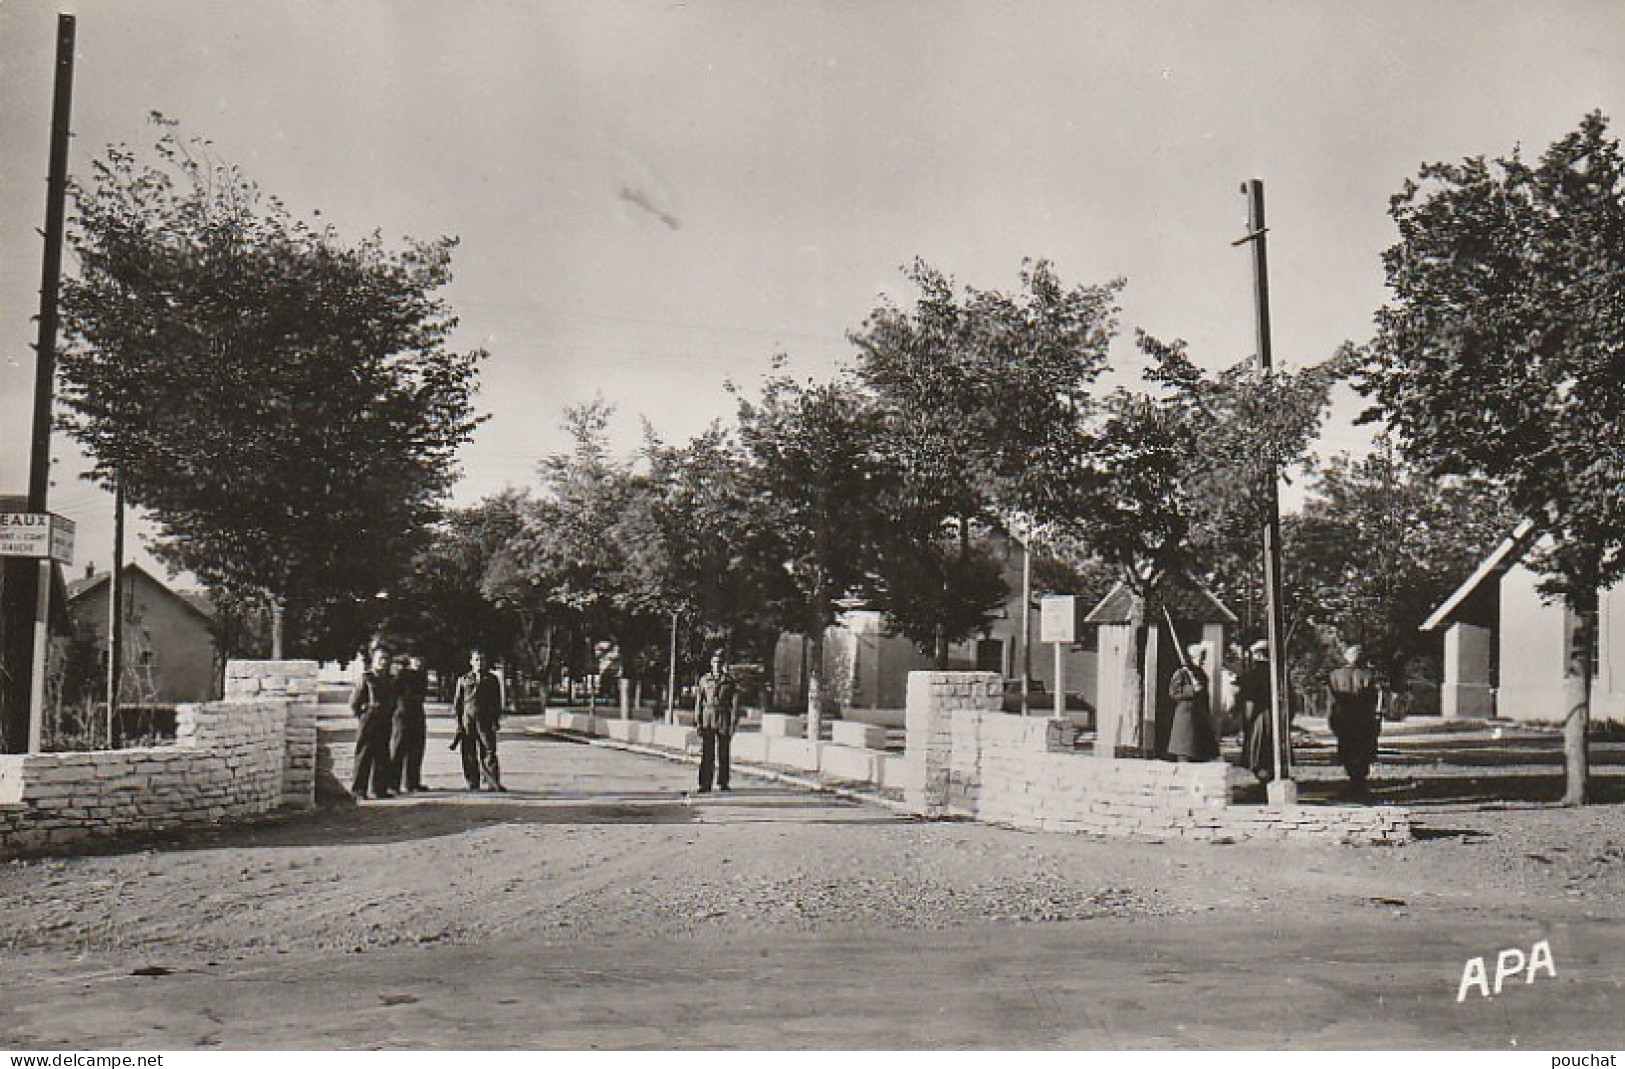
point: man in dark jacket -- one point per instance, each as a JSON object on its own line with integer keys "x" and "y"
{"x": 716, "y": 714}
{"x": 477, "y": 705}
{"x": 373, "y": 703}
{"x": 407, "y": 743}
{"x": 1354, "y": 718}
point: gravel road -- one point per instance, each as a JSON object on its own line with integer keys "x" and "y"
{"x": 596, "y": 849}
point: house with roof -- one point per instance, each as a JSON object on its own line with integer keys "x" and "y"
{"x": 866, "y": 668}
{"x": 1508, "y": 650}
{"x": 1177, "y": 611}
{"x": 169, "y": 649}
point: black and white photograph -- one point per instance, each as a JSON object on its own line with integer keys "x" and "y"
{"x": 812, "y": 525}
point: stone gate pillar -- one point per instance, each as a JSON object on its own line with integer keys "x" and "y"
{"x": 933, "y": 698}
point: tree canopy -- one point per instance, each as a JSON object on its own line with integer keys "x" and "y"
{"x": 283, "y": 404}
{"x": 978, "y": 396}
{"x": 1501, "y": 350}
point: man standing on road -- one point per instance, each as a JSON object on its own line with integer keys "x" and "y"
{"x": 373, "y": 703}
{"x": 1354, "y": 718}
{"x": 407, "y": 743}
{"x": 716, "y": 714}
{"x": 478, "y": 708}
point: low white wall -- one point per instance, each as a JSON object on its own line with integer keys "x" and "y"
{"x": 247, "y": 755}
{"x": 966, "y": 758}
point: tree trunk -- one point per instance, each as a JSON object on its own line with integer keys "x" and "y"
{"x": 815, "y": 682}
{"x": 1576, "y": 721}
{"x": 1133, "y": 697}
{"x": 939, "y": 649}
{"x": 278, "y": 628}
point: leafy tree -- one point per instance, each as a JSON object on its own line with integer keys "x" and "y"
{"x": 438, "y": 608}
{"x": 707, "y": 571}
{"x": 1245, "y": 430}
{"x": 284, "y": 405}
{"x": 1178, "y": 479}
{"x": 1378, "y": 546}
{"x": 578, "y": 569}
{"x": 1500, "y": 353}
{"x": 978, "y": 396}
{"x": 811, "y": 467}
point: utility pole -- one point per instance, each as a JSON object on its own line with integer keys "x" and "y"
{"x": 115, "y": 613}
{"x": 1026, "y": 617}
{"x": 1282, "y": 790}
{"x": 39, "y": 472}
{"x": 671, "y": 675}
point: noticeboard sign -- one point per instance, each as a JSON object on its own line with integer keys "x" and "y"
{"x": 1060, "y": 618}
{"x": 41, "y": 535}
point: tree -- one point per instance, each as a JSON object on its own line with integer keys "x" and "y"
{"x": 707, "y": 521}
{"x": 1378, "y": 546}
{"x": 811, "y": 467}
{"x": 978, "y": 397}
{"x": 1245, "y": 429}
{"x": 284, "y": 405}
{"x": 1499, "y": 355}
{"x": 575, "y": 563}
{"x": 1178, "y": 478}
{"x": 439, "y": 607}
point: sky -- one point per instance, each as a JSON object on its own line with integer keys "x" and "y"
{"x": 655, "y": 198}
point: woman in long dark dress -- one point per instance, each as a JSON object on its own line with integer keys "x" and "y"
{"x": 1257, "y": 728}
{"x": 1191, "y": 736}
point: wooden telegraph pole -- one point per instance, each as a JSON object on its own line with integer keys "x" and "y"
{"x": 39, "y": 473}
{"x": 115, "y": 613}
{"x": 1282, "y": 790}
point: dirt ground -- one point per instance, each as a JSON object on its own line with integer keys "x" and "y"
{"x": 599, "y": 905}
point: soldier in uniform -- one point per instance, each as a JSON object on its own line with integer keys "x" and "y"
{"x": 716, "y": 714}
{"x": 1355, "y": 720}
{"x": 410, "y": 737}
{"x": 477, "y": 705}
{"x": 373, "y": 703}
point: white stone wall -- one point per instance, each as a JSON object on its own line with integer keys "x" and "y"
{"x": 250, "y": 754}
{"x": 965, "y": 758}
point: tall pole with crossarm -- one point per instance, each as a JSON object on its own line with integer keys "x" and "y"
{"x": 1282, "y": 790}
{"x": 39, "y": 471}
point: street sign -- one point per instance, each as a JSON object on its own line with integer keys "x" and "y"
{"x": 1060, "y": 618}
{"x": 41, "y": 535}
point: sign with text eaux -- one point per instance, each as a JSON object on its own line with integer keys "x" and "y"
{"x": 36, "y": 534}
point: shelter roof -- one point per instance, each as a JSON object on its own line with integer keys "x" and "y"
{"x": 1508, "y": 552}
{"x": 1180, "y": 594}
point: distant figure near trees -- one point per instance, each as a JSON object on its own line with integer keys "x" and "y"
{"x": 1354, "y": 718}
{"x": 410, "y": 736}
{"x": 1253, "y": 694}
{"x": 478, "y": 708}
{"x": 1191, "y": 736}
{"x": 373, "y": 702}
{"x": 716, "y": 715}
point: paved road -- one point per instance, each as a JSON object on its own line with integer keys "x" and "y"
{"x": 577, "y": 916}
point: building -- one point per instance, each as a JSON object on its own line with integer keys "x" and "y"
{"x": 170, "y": 654}
{"x": 866, "y": 669}
{"x": 1176, "y": 613}
{"x": 1508, "y": 650}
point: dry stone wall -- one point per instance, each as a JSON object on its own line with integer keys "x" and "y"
{"x": 968, "y": 758}
{"x": 247, "y": 755}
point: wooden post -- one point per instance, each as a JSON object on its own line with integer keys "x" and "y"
{"x": 1282, "y": 791}
{"x": 671, "y": 676}
{"x": 115, "y": 613}
{"x": 39, "y": 471}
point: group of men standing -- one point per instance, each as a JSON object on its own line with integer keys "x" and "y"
{"x": 392, "y": 727}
